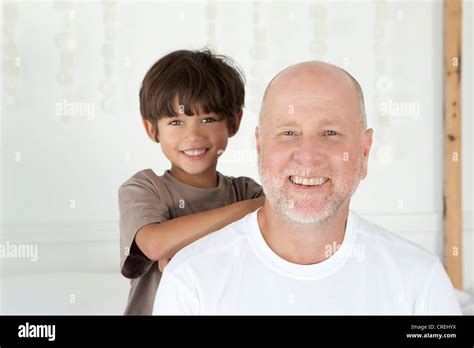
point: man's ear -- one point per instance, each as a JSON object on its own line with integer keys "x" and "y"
{"x": 366, "y": 151}
{"x": 151, "y": 131}
{"x": 234, "y": 129}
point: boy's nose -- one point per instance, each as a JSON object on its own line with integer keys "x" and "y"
{"x": 194, "y": 132}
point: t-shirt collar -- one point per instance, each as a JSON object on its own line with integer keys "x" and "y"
{"x": 197, "y": 193}
{"x": 318, "y": 270}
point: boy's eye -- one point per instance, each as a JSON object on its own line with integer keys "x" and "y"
{"x": 208, "y": 119}
{"x": 175, "y": 123}
{"x": 330, "y": 132}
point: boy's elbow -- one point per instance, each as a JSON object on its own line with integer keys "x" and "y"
{"x": 147, "y": 242}
{"x": 148, "y": 252}
{"x": 155, "y": 253}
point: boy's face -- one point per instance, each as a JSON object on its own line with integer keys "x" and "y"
{"x": 193, "y": 143}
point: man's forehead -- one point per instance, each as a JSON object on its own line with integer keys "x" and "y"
{"x": 321, "y": 111}
{"x": 304, "y": 102}
{"x": 319, "y": 104}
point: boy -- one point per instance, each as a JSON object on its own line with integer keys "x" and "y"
{"x": 191, "y": 103}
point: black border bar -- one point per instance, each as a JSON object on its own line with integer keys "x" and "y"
{"x": 313, "y": 330}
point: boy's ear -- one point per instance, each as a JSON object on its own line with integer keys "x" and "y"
{"x": 150, "y": 130}
{"x": 234, "y": 129}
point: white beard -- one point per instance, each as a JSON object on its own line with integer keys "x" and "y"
{"x": 319, "y": 211}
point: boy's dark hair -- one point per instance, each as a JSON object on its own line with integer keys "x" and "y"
{"x": 201, "y": 80}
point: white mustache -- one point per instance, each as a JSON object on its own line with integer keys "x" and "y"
{"x": 306, "y": 172}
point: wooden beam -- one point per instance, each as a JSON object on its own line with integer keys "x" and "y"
{"x": 452, "y": 213}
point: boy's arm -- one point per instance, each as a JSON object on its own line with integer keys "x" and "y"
{"x": 163, "y": 240}
{"x": 139, "y": 204}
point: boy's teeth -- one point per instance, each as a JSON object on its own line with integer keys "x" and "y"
{"x": 194, "y": 152}
{"x": 308, "y": 181}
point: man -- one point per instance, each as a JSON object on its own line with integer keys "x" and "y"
{"x": 305, "y": 251}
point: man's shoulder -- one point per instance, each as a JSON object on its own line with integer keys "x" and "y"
{"x": 212, "y": 247}
{"x": 389, "y": 244}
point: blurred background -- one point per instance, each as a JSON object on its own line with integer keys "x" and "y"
{"x": 71, "y": 131}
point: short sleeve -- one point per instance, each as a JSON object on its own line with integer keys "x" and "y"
{"x": 140, "y": 204}
{"x": 175, "y": 296}
{"x": 437, "y": 295}
{"x": 247, "y": 188}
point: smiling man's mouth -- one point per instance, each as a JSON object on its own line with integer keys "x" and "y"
{"x": 308, "y": 181}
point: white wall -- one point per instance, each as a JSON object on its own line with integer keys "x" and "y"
{"x": 60, "y": 174}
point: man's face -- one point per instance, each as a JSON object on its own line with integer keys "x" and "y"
{"x": 312, "y": 152}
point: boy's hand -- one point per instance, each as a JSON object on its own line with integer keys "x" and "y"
{"x": 162, "y": 264}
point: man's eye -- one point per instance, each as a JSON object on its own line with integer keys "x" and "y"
{"x": 175, "y": 123}
{"x": 330, "y": 132}
{"x": 289, "y": 133}
{"x": 208, "y": 119}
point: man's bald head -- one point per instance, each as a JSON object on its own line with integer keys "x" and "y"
{"x": 314, "y": 72}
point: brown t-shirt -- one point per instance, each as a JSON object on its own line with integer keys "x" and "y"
{"x": 146, "y": 198}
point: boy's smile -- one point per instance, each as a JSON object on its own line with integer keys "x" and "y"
{"x": 196, "y": 153}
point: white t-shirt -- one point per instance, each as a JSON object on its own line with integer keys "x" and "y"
{"x": 234, "y": 271}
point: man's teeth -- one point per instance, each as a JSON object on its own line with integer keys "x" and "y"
{"x": 308, "y": 181}
{"x": 194, "y": 152}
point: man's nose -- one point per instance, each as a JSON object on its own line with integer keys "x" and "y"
{"x": 309, "y": 150}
